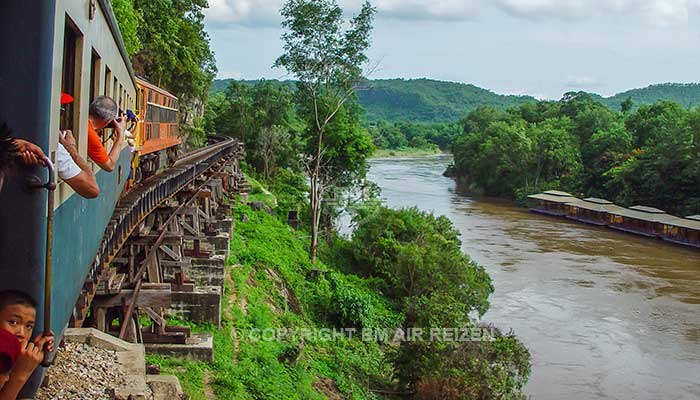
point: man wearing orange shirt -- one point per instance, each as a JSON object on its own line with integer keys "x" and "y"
{"x": 105, "y": 113}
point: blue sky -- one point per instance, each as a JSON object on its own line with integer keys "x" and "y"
{"x": 537, "y": 47}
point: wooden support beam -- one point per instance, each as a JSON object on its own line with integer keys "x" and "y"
{"x": 151, "y": 295}
{"x": 172, "y": 254}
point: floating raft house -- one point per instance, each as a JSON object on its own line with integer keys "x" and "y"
{"x": 640, "y": 220}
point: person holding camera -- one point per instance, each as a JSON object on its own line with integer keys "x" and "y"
{"x": 104, "y": 113}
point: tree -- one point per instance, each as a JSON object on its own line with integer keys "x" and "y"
{"x": 269, "y": 142}
{"x": 129, "y": 20}
{"x": 327, "y": 62}
{"x": 434, "y": 285}
{"x": 175, "y": 51}
{"x": 626, "y": 105}
{"x": 246, "y": 111}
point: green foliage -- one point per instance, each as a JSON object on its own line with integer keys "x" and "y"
{"x": 174, "y": 51}
{"x": 485, "y": 370}
{"x": 419, "y": 259}
{"x": 647, "y": 157}
{"x": 129, "y": 20}
{"x": 291, "y": 191}
{"x": 326, "y": 54}
{"x": 419, "y": 136}
{"x": 421, "y": 269}
{"x": 273, "y": 278}
{"x": 262, "y": 116}
{"x": 427, "y": 101}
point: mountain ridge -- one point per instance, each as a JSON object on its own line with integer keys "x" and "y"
{"x": 425, "y": 100}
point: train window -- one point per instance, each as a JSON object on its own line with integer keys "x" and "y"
{"x": 120, "y": 100}
{"x": 115, "y": 93}
{"x": 70, "y": 79}
{"x": 94, "y": 75}
{"x": 108, "y": 80}
{"x": 150, "y": 95}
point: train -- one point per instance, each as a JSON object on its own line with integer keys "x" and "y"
{"x": 51, "y": 47}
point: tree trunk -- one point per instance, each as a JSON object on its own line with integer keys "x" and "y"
{"x": 316, "y": 192}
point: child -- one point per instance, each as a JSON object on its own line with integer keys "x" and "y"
{"x": 17, "y": 316}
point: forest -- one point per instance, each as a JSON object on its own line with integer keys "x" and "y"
{"x": 649, "y": 156}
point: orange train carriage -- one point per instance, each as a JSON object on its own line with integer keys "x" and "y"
{"x": 157, "y": 134}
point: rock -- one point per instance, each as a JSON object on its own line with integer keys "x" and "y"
{"x": 81, "y": 372}
{"x": 244, "y": 218}
{"x": 260, "y": 206}
{"x": 153, "y": 369}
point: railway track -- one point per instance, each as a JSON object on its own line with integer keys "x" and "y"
{"x": 133, "y": 208}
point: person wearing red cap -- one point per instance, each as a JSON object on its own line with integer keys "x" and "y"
{"x": 70, "y": 166}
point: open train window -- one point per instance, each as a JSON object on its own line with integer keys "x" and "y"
{"x": 115, "y": 93}
{"x": 108, "y": 81}
{"x": 95, "y": 63}
{"x": 70, "y": 79}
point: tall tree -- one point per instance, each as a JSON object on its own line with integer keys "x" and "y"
{"x": 327, "y": 62}
{"x": 175, "y": 51}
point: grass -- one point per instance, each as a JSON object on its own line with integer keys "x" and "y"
{"x": 258, "y": 192}
{"x": 268, "y": 288}
{"x": 406, "y": 152}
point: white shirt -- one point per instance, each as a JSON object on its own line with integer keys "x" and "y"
{"x": 66, "y": 167}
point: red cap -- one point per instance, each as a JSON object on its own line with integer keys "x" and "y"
{"x": 66, "y": 98}
{"x": 9, "y": 350}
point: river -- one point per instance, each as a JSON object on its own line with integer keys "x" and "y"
{"x": 605, "y": 315}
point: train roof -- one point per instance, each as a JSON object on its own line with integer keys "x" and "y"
{"x": 148, "y": 84}
{"x": 116, "y": 33}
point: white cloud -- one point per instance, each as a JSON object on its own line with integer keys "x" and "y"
{"x": 654, "y": 12}
{"x": 582, "y": 82}
{"x": 244, "y": 12}
{"x": 426, "y": 9}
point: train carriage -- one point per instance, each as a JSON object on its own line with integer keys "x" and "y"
{"x": 157, "y": 133}
{"x": 49, "y": 47}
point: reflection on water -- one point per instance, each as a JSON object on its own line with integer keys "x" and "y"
{"x": 605, "y": 315}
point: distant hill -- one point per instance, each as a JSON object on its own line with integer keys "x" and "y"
{"x": 428, "y": 101}
{"x": 685, "y": 94}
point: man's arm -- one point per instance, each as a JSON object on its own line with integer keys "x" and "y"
{"x": 84, "y": 183}
{"x": 119, "y": 127}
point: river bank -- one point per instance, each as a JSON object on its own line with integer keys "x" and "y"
{"x": 406, "y": 152}
{"x": 604, "y": 314}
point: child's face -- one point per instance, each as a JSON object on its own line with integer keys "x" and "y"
{"x": 18, "y": 319}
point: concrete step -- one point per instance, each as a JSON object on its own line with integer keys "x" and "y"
{"x": 199, "y": 347}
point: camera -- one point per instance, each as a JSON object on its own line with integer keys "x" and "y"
{"x": 119, "y": 117}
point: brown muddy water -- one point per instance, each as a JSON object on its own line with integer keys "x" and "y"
{"x": 605, "y": 315}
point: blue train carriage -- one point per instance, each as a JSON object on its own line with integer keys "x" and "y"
{"x": 49, "y": 47}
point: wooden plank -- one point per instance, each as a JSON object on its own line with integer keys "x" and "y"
{"x": 169, "y": 252}
{"x": 151, "y": 295}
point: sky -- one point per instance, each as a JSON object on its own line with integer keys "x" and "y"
{"x": 542, "y": 48}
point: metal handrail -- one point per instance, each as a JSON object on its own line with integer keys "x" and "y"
{"x": 50, "y": 185}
